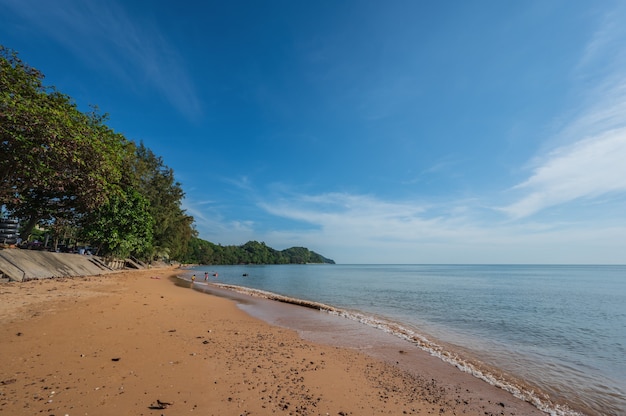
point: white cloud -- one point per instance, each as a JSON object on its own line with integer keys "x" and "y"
{"x": 353, "y": 214}
{"x": 353, "y": 228}
{"x": 589, "y": 160}
{"x": 242, "y": 182}
{"x": 586, "y": 169}
{"x": 606, "y": 44}
{"x": 364, "y": 229}
{"x": 213, "y": 227}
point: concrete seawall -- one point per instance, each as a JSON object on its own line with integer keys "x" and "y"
{"x": 20, "y": 265}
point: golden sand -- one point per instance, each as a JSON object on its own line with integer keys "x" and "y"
{"x": 134, "y": 343}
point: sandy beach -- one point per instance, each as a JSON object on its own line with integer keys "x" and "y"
{"x": 135, "y": 343}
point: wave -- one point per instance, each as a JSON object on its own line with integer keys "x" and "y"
{"x": 476, "y": 369}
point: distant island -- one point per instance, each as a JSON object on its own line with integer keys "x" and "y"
{"x": 252, "y": 252}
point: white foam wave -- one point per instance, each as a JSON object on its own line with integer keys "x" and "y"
{"x": 540, "y": 401}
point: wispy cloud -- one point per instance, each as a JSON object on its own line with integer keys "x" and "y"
{"x": 582, "y": 164}
{"x": 443, "y": 166}
{"x": 242, "y": 182}
{"x": 586, "y": 169}
{"x": 606, "y": 44}
{"x": 358, "y": 228}
{"x": 211, "y": 223}
{"x": 107, "y": 38}
{"x": 363, "y": 229}
{"x": 588, "y": 163}
{"x": 354, "y": 215}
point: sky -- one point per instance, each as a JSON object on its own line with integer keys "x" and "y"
{"x": 461, "y": 132}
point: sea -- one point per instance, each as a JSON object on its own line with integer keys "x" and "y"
{"x": 554, "y": 335}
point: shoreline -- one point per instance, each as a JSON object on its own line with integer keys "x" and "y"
{"x": 522, "y": 324}
{"x": 408, "y": 338}
{"x": 132, "y": 341}
{"x": 384, "y": 339}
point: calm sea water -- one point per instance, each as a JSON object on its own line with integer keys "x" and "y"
{"x": 558, "y": 329}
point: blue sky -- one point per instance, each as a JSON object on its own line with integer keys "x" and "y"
{"x": 368, "y": 131}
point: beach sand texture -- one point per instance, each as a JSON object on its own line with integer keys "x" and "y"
{"x": 134, "y": 343}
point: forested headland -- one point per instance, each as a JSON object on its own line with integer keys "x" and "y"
{"x": 73, "y": 181}
{"x": 252, "y": 252}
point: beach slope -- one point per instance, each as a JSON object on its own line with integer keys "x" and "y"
{"x": 136, "y": 343}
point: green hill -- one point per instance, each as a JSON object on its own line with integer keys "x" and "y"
{"x": 252, "y": 252}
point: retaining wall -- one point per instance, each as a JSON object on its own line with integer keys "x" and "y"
{"x": 20, "y": 265}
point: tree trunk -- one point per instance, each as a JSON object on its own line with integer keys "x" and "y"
{"x": 28, "y": 228}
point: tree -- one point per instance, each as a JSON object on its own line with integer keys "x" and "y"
{"x": 121, "y": 227}
{"x": 172, "y": 226}
{"x": 56, "y": 162}
{"x": 65, "y": 169}
{"x": 252, "y": 252}
{"x": 201, "y": 252}
{"x": 21, "y": 119}
{"x": 259, "y": 253}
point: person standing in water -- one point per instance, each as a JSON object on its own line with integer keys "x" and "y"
{"x": 193, "y": 278}
{"x": 206, "y": 276}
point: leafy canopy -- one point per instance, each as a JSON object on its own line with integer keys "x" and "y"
{"x": 71, "y": 174}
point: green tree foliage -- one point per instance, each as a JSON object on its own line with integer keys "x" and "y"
{"x": 22, "y": 118}
{"x": 70, "y": 173}
{"x": 121, "y": 227}
{"x": 64, "y": 169}
{"x": 252, "y": 252}
{"x": 304, "y": 255}
{"x": 54, "y": 160}
{"x": 172, "y": 226}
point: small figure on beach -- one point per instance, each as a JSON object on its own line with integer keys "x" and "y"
{"x": 206, "y": 276}
{"x": 193, "y": 278}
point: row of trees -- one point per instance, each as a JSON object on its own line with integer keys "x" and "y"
{"x": 68, "y": 172}
{"x": 253, "y": 252}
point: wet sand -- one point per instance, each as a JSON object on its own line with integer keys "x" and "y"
{"x": 136, "y": 343}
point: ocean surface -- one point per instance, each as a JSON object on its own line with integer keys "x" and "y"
{"x": 555, "y": 335}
